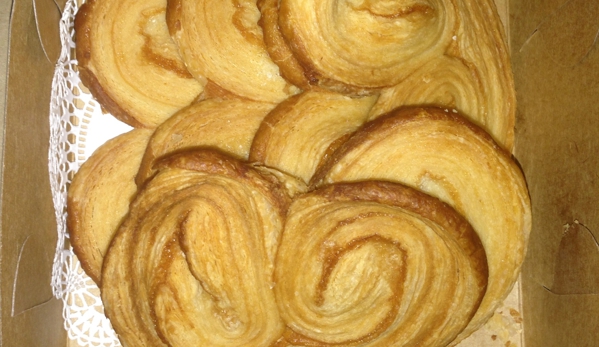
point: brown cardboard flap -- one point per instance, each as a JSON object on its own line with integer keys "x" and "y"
{"x": 567, "y": 320}
{"x": 31, "y": 316}
{"x": 38, "y": 326}
{"x": 558, "y": 121}
{"x": 577, "y": 249}
{"x": 61, "y": 4}
{"x": 570, "y": 32}
{"x": 47, "y": 18}
{"x": 5, "y": 7}
{"x": 555, "y": 55}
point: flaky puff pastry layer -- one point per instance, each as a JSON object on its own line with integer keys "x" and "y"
{"x": 482, "y": 43}
{"x": 444, "y": 155}
{"x": 474, "y": 76}
{"x": 192, "y": 264}
{"x": 223, "y": 41}
{"x": 298, "y": 133}
{"x": 381, "y": 265}
{"x": 355, "y": 46}
{"x": 99, "y": 196}
{"x": 129, "y": 62}
{"x": 226, "y": 124}
{"x": 451, "y": 54}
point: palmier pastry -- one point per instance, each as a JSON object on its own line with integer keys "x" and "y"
{"x": 226, "y": 124}
{"x": 381, "y": 265}
{"x": 298, "y": 132}
{"x": 129, "y": 62}
{"x": 444, "y": 155}
{"x": 222, "y": 41}
{"x": 355, "y": 46}
{"x": 474, "y": 76}
{"x": 482, "y": 44}
{"x": 99, "y": 197}
{"x": 444, "y": 82}
{"x": 193, "y": 262}
{"x": 447, "y": 82}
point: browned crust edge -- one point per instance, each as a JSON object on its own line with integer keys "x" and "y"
{"x": 500, "y": 39}
{"x": 287, "y": 53}
{"x": 259, "y": 147}
{"x": 214, "y": 161}
{"x": 276, "y": 46}
{"x": 84, "y": 53}
{"x": 76, "y": 205}
{"x": 396, "y": 119}
{"x": 74, "y": 229}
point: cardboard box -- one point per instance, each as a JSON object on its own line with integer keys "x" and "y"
{"x": 30, "y": 315}
{"x": 555, "y": 56}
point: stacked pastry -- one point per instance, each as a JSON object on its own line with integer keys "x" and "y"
{"x": 301, "y": 173}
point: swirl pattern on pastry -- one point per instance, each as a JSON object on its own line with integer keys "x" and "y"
{"x": 193, "y": 262}
{"x": 356, "y": 46}
{"x": 322, "y": 117}
{"x": 474, "y": 76}
{"x": 129, "y": 62}
{"x": 99, "y": 197}
{"x": 382, "y": 265}
{"x": 445, "y": 82}
{"x": 444, "y": 155}
{"x": 481, "y": 42}
{"x": 276, "y": 46}
{"x": 226, "y": 124}
{"x": 223, "y": 41}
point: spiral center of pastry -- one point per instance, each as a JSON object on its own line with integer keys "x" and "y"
{"x": 365, "y": 43}
{"x": 400, "y": 26}
{"x": 360, "y": 258}
{"x": 392, "y": 25}
{"x": 371, "y": 259}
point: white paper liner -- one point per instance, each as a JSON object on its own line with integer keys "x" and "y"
{"x": 77, "y": 127}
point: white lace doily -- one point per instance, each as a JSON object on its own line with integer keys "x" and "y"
{"x": 77, "y": 128}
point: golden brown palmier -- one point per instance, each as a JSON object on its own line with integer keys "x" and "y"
{"x": 129, "y": 62}
{"x": 222, "y": 41}
{"x": 481, "y": 42}
{"x": 382, "y": 264}
{"x": 192, "y": 264}
{"x": 276, "y": 46}
{"x": 474, "y": 77}
{"x": 445, "y": 82}
{"x": 99, "y": 196}
{"x": 226, "y": 124}
{"x": 444, "y": 155}
{"x": 355, "y": 47}
{"x": 296, "y": 135}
